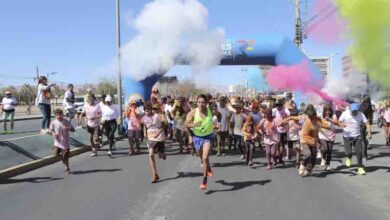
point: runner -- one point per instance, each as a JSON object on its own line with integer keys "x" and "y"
{"x": 69, "y": 99}
{"x": 155, "y": 123}
{"x": 236, "y": 122}
{"x": 223, "y": 133}
{"x": 200, "y": 119}
{"x": 280, "y": 113}
{"x": 60, "y": 128}
{"x": 327, "y": 136}
{"x": 110, "y": 113}
{"x": 7, "y": 109}
{"x": 93, "y": 113}
{"x": 133, "y": 127}
{"x": 352, "y": 120}
{"x": 268, "y": 129}
{"x": 294, "y": 127}
{"x": 250, "y": 137}
{"x": 179, "y": 115}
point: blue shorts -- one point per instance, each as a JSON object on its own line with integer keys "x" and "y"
{"x": 200, "y": 141}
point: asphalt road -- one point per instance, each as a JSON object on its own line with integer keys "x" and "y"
{"x": 102, "y": 188}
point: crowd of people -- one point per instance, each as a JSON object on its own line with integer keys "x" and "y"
{"x": 222, "y": 125}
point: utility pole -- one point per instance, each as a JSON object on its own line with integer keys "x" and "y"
{"x": 118, "y": 40}
{"x": 37, "y": 71}
{"x": 298, "y": 25}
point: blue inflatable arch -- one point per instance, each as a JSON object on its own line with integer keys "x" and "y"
{"x": 263, "y": 50}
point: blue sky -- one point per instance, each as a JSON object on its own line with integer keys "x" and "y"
{"x": 77, "y": 38}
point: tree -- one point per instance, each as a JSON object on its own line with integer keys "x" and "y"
{"x": 106, "y": 86}
{"x": 26, "y": 94}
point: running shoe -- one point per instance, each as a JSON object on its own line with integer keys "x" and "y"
{"x": 301, "y": 170}
{"x": 210, "y": 173}
{"x": 94, "y": 154}
{"x": 67, "y": 170}
{"x": 319, "y": 155}
{"x": 203, "y": 186}
{"x": 269, "y": 167}
{"x": 5, "y": 132}
{"x": 242, "y": 157}
{"x": 109, "y": 153}
{"x": 348, "y": 162}
{"x": 218, "y": 154}
{"x": 361, "y": 171}
{"x": 323, "y": 162}
{"x": 250, "y": 163}
{"x": 11, "y": 132}
{"x": 327, "y": 168}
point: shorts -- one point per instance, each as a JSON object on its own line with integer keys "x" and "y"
{"x": 60, "y": 152}
{"x": 134, "y": 134}
{"x": 223, "y": 134}
{"x": 158, "y": 146}
{"x": 200, "y": 141}
{"x": 92, "y": 130}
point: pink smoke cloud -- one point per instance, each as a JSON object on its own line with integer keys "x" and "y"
{"x": 327, "y": 26}
{"x": 300, "y": 78}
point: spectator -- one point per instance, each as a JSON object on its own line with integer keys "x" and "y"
{"x": 8, "y": 109}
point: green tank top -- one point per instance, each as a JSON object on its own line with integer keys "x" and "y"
{"x": 206, "y": 127}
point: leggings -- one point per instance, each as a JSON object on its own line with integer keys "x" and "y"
{"x": 355, "y": 142}
{"x": 270, "y": 152}
{"x": 326, "y": 150}
{"x": 46, "y": 113}
{"x": 110, "y": 128}
{"x": 238, "y": 139}
{"x": 309, "y": 156}
{"x": 249, "y": 150}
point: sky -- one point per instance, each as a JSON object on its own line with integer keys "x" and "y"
{"x": 77, "y": 39}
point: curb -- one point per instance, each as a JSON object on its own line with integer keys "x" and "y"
{"x": 25, "y": 119}
{"x": 33, "y": 165}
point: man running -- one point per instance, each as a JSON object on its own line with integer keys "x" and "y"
{"x": 200, "y": 120}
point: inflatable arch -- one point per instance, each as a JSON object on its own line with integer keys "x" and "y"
{"x": 264, "y": 50}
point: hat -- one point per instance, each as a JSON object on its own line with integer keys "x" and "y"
{"x": 108, "y": 98}
{"x": 8, "y": 92}
{"x": 354, "y": 107}
{"x": 133, "y": 102}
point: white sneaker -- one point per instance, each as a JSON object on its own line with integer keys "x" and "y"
{"x": 322, "y": 162}
{"x": 319, "y": 155}
{"x": 94, "y": 154}
{"x": 242, "y": 157}
{"x": 109, "y": 153}
{"x": 328, "y": 168}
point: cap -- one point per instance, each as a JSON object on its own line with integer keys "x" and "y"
{"x": 108, "y": 98}
{"x": 8, "y": 92}
{"x": 354, "y": 107}
{"x": 133, "y": 102}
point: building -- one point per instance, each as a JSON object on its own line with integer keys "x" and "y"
{"x": 167, "y": 85}
{"x": 360, "y": 77}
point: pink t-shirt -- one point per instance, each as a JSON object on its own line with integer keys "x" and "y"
{"x": 134, "y": 123}
{"x": 279, "y": 117}
{"x": 328, "y": 134}
{"x": 293, "y": 130}
{"x": 60, "y": 133}
{"x": 94, "y": 114}
{"x": 153, "y": 124}
{"x": 386, "y": 115}
{"x": 270, "y": 133}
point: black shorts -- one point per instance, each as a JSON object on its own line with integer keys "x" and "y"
{"x": 283, "y": 138}
{"x": 158, "y": 146}
{"x": 92, "y": 130}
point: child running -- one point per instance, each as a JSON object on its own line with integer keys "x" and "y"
{"x": 268, "y": 129}
{"x": 250, "y": 137}
{"x": 60, "y": 128}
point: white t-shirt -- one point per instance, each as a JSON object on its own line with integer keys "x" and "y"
{"x": 224, "y": 118}
{"x": 168, "y": 109}
{"x": 353, "y": 124}
{"x": 110, "y": 112}
{"x": 68, "y": 105}
{"x": 43, "y": 93}
{"x": 8, "y": 103}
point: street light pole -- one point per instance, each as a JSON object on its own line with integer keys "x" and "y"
{"x": 118, "y": 41}
{"x": 48, "y": 74}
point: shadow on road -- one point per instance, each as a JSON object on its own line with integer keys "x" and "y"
{"x": 237, "y": 185}
{"x": 230, "y": 164}
{"x": 332, "y": 172}
{"x": 183, "y": 175}
{"x": 379, "y": 155}
{"x": 29, "y": 180}
{"x": 371, "y": 169}
{"x": 79, "y": 172}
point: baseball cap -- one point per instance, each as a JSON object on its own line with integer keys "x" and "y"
{"x": 108, "y": 98}
{"x": 354, "y": 107}
{"x": 8, "y": 92}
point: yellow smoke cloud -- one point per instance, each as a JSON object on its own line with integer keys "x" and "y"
{"x": 369, "y": 27}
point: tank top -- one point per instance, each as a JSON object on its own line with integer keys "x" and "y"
{"x": 206, "y": 124}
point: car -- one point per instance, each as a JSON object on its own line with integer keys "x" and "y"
{"x": 79, "y": 104}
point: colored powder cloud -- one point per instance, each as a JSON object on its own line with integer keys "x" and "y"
{"x": 300, "y": 78}
{"x": 369, "y": 27}
{"x": 326, "y": 26}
